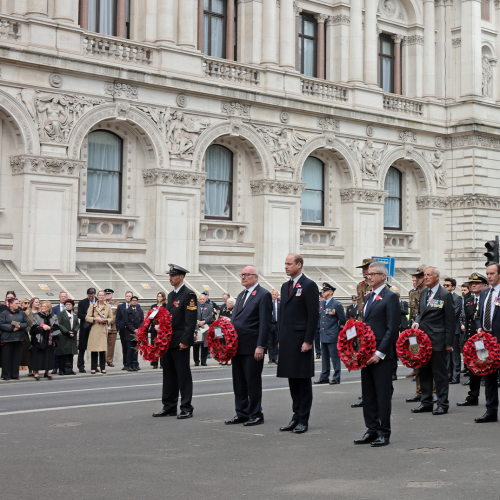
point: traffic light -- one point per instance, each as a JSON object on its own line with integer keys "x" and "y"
{"x": 491, "y": 251}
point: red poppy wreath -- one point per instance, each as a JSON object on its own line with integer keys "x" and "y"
{"x": 352, "y": 359}
{"x": 153, "y": 352}
{"x": 222, "y": 340}
{"x": 482, "y": 354}
{"x": 414, "y": 348}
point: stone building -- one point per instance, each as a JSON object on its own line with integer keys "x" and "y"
{"x": 216, "y": 133}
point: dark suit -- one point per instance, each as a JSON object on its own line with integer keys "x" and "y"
{"x": 120, "y": 327}
{"x": 272, "y": 344}
{"x": 470, "y": 313}
{"x": 491, "y": 384}
{"x": 298, "y": 324}
{"x": 133, "y": 319}
{"x": 56, "y": 310}
{"x": 383, "y": 317}
{"x": 352, "y": 312}
{"x": 439, "y": 323}
{"x": 83, "y": 337}
{"x": 177, "y": 378}
{"x": 205, "y": 313}
{"x": 454, "y": 360}
{"x": 252, "y": 324}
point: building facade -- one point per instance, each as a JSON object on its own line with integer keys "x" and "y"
{"x": 214, "y": 132}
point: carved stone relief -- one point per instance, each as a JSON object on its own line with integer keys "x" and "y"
{"x": 284, "y": 145}
{"x": 235, "y": 109}
{"x": 276, "y": 187}
{"x": 172, "y": 177}
{"x": 369, "y": 157}
{"x": 407, "y": 136}
{"x": 432, "y": 202}
{"x": 45, "y": 165}
{"x": 123, "y": 90}
{"x": 487, "y": 77}
{"x": 55, "y": 80}
{"x": 362, "y": 195}
{"x": 329, "y": 124}
{"x": 436, "y": 159}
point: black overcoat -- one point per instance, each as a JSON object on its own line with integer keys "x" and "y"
{"x": 298, "y": 321}
{"x": 183, "y": 306}
{"x": 65, "y": 343}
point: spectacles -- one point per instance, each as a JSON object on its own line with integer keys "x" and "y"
{"x": 24, "y": 303}
{"x": 247, "y": 275}
{"x": 447, "y": 286}
{"x": 372, "y": 274}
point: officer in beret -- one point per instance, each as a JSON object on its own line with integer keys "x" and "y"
{"x": 112, "y": 331}
{"x": 331, "y": 320}
{"x": 352, "y": 310}
{"x": 183, "y": 307}
{"x": 477, "y": 283}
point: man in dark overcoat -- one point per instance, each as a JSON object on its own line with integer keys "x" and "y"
{"x": 297, "y": 326}
{"x": 83, "y": 334}
{"x": 183, "y": 306}
{"x": 252, "y": 322}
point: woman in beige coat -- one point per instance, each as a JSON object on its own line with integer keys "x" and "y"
{"x": 101, "y": 316}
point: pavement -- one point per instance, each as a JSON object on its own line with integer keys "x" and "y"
{"x": 92, "y": 437}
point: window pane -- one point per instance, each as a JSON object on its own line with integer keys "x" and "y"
{"x": 392, "y": 182}
{"x": 386, "y": 74}
{"x": 308, "y": 57}
{"x": 386, "y": 47}
{"x": 312, "y": 173}
{"x": 301, "y": 50}
{"x": 104, "y": 166}
{"x": 218, "y": 6}
{"x": 107, "y": 11}
{"x": 206, "y": 4}
{"x": 312, "y": 207}
{"x": 206, "y": 33}
{"x": 218, "y": 164}
{"x": 392, "y": 207}
{"x": 93, "y": 15}
{"x": 308, "y": 27}
{"x": 217, "y": 36}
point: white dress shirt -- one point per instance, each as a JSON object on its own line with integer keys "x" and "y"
{"x": 295, "y": 280}
{"x": 495, "y": 291}
{"x": 177, "y": 289}
{"x": 249, "y": 290}
{"x": 376, "y": 292}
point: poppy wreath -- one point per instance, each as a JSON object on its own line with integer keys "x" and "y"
{"x": 222, "y": 352}
{"x": 414, "y": 355}
{"x": 153, "y": 352}
{"x": 482, "y": 367}
{"x": 355, "y": 360}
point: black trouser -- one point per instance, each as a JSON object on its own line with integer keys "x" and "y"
{"x": 124, "y": 349}
{"x": 272, "y": 343}
{"x": 56, "y": 360}
{"x": 132, "y": 355}
{"x": 376, "y": 389}
{"x": 436, "y": 369}
{"x": 454, "y": 360}
{"x": 102, "y": 360}
{"x": 65, "y": 363}
{"x": 196, "y": 353}
{"x": 474, "y": 388}
{"x": 177, "y": 378}
{"x": 302, "y": 397}
{"x": 11, "y": 359}
{"x": 491, "y": 389}
{"x": 247, "y": 385}
{"x": 317, "y": 343}
{"x": 81, "y": 359}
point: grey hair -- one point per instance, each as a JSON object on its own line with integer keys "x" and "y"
{"x": 256, "y": 270}
{"x": 437, "y": 272}
{"x": 233, "y": 301}
{"x": 380, "y": 267}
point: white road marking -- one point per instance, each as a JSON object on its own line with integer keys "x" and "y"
{"x": 139, "y": 401}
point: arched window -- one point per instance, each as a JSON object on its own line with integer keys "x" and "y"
{"x": 313, "y": 194}
{"x": 308, "y": 42}
{"x": 219, "y": 183}
{"x": 104, "y": 172}
{"x": 393, "y": 205}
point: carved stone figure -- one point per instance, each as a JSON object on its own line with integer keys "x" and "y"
{"x": 368, "y": 156}
{"x": 389, "y": 7}
{"x": 437, "y": 161}
{"x": 487, "y": 77}
{"x": 284, "y": 145}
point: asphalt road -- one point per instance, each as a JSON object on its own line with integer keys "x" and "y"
{"x": 93, "y": 437}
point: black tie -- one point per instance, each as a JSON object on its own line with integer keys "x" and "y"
{"x": 242, "y": 302}
{"x": 369, "y": 303}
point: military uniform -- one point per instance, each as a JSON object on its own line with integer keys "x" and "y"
{"x": 183, "y": 307}
{"x": 352, "y": 310}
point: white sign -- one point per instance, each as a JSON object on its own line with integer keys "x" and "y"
{"x": 218, "y": 332}
{"x": 479, "y": 345}
{"x": 154, "y": 313}
{"x": 413, "y": 340}
{"x": 351, "y": 333}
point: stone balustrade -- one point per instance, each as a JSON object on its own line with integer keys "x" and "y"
{"x": 222, "y": 232}
{"x": 117, "y": 49}
{"x": 312, "y": 236}
{"x": 10, "y": 29}
{"x": 108, "y": 226}
{"x": 398, "y": 240}
{"x": 321, "y": 89}
{"x": 402, "y": 105}
{"x": 230, "y": 71}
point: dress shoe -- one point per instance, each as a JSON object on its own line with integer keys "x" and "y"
{"x": 61, "y": 372}
{"x": 487, "y": 417}
{"x": 237, "y": 420}
{"x": 165, "y": 413}
{"x": 136, "y": 369}
{"x": 82, "y": 370}
{"x": 466, "y": 383}
{"x": 366, "y": 439}
{"x": 467, "y": 403}
{"x": 155, "y": 367}
{"x": 413, "y": 399}
{"x": 455, "y": 381}
{"x": 5, "y": 378}
{"x": 300, "y": 429}
{"x": 335, "y": 382}
{"x": 422, "y": 409}
{"x": 321, "y": 381}
{"x": 129, "y": 369}
{"x": 290, "y": 427}
{"x": 124, "y": 368}
{"x": 71, "y": 372}
{"x": 197, "y": 364}
{"x": 15, "y": 378}
{"x": 318, "y": 356}
{"x": 185, "y": 414}
{"x": 359, "y": 404}
{"x": 254, "y": 421}
{"x": 440, "y": 411}
{"x": 381, "y": 441}
{"x": 203, "y": 364}
{"x": 111, "y": 364}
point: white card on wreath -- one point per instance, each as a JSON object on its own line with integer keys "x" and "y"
{"x": 479, "y": 345}
{"x": 154, "y": 313}
{"x": 413, "y": 340}
{"x": 351, "y": 333}
{"x": 218, "y": 332}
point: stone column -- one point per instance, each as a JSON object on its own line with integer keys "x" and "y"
{"x": 230, "y": 31}
{"x": 121, "y": 18}
{"x": 397, "y": 63}
{"x": 185, "y": 27}
{"x": 356, "y": 42}
{"x": 371, "y": 52}
{"x": 269, "y": 47}
{"x": 441, "y": 35}
{"x": 287, "y": 34}
{"x": 471, "y": 68}
{"x": 37, "y": 8}
{"x": 321, "y": 18}
{"x": 297, "y": 11}
{"x": 201, "y": 25}
{"x": 84, "y": 14}
{"x": 497, "y": 67}
{"x": 19, "y": 8}
{"x": 429, "y": 49}
{"x": 64, "y": 10}
{"x": 165, "y": 22}
{"x": 337, "y": 48}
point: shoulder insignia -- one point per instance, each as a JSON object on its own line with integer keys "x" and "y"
{"x": 191, "y": 306}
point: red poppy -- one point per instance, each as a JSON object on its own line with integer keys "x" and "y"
{"x": 482, "y": 366}
{"x": 378, "y": 297}
{"x": 162, "y": 341}
{"x": 417, "y": 357}
{"x": 367, "y": 345}
{"x": 254, "y": 293}
{"x": 298, "y": 285}
{"x": 176, "y": 303}
{"x": 222, "y": 352}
